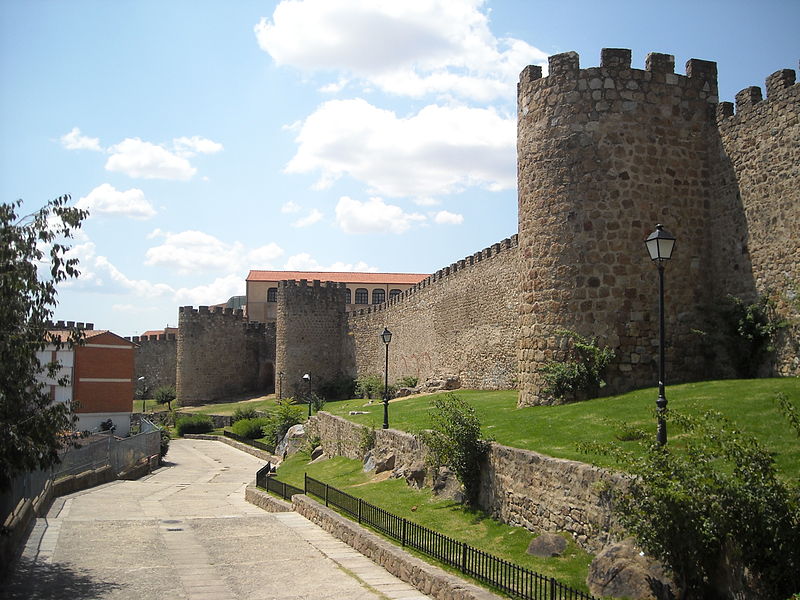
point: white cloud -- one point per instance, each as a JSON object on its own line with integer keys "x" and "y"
{"x": 137, "y": 158}
{"x": 313, "y": 217}
{"x": 263, "y": 257}
{"x": 290, "y": 207}
{"x": 305, "y": 262}
{"x": 215, "y": 292}
{"x": 75, "y": 141}
{"x": 373, "y": 216}
{"x": 440, "y": 150}
{"x": 189, "y": 146}
{"x": 413, "y": 47}
{"x": 444, "y": 217}
{"x": 107, "y": 200}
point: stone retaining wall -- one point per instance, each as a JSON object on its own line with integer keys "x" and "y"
{"x": 518, "y": 487}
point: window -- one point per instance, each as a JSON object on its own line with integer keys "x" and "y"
{"x": 272, "y": 295}
{"x": 362, "y": 296}
{"x": 394, "y": 293}
{"x": 349, "y": 296}
{"x": 378, "y": 296}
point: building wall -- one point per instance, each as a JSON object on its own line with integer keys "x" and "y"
{"x": 220, "y": 354}
{"x": 462, "y": 321}
{"x": 103, "y": 380}
{"x": 156, "y": 360}
{"x": 310, "y": 333}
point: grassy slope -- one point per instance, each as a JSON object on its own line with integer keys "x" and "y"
{"x": 555, "y": 430}
{"x": 445, "y": 516}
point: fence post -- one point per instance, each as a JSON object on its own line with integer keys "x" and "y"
{"x": 359, "y": 511}
{"x": 552, "y": 588}
{"x": 305, "y": 483}
{"x": 405, "y": 522}
{"x": 326, "y": 494}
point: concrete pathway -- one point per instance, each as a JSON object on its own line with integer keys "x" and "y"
{"x": 186, "y": 532}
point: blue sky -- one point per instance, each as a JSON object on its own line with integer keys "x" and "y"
{"x": 210, "y": 138}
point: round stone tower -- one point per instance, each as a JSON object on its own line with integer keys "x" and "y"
{"x": 603, "y": 155}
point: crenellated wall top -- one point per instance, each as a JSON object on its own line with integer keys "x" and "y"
{"x": 779, "y": 86}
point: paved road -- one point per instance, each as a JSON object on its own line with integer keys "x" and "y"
{"x": 186, "y": 532}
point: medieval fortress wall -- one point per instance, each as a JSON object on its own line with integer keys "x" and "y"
{"x": 604, "y": 153}
{"x": 461, "y": 321}
{"x": 219, "y": 354}
{"x": 156, "y": 359}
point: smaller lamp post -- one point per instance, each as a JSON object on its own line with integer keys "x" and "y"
{"x": 280, "y": 384}
{"x": 386, "y": 336}
{"x": 144, "y": 389}
{"x": 660, "y": 245}
{"x": 307, "y": 379}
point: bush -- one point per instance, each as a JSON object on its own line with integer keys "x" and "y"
{"x": 717, "y": 508}
{"x": 193, "y": 424}
{"x": 165, "y": 395}
{"x": 340, "y": 388}
{"x": 250, "y": 428}
{"x": 164, "y": 445}
{"x": 244, "y": 412}
{"x": 369, "y": 386}
{"x": 583, "y": 375}
{"x": 278, "y": 423}
{"x": 455, "y": 440}
{"x": 408, "y": 382}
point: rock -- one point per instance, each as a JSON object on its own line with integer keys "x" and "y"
{"x": 446, "y": 485}
{"x": 621, "y": 570}
{"x": 359, "y": 412}
{"x": 292, "y": 441}
{"x": 413, "y": 474}
{"x": 369, "y": 461}
{"x": 405, "y": 391}
{"x": 546, "y": 545}
{"x": 317, "y": 452}
{"x": 384, "y": 460}
{"x": 448, "y": 382}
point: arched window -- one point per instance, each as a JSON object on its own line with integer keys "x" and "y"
{"x": 272, "y": 295}
{"x": 362, "y": 296}
{"x": 349, "y": 296}
{"x": 378, "y": 296}
{"x": 394, "y": 293}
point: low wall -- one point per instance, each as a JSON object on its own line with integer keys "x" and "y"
{"x": 257, "y": 452}
{"x": 518, "y": 487}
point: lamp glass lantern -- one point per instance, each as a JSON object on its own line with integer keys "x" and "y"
{"x": 386, "y": 336}
{"x": 660, "y": 244}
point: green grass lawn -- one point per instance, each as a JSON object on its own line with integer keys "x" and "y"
{"x": 265, "y": 404}
{"x": 444, "y": 516}
{"x": 556, "y": 430}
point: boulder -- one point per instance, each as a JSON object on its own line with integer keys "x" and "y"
{"x": 316, "y": 453}
{"x": 446, "y": 485}
{"x": 414, "y": 474}
{"x": 379, "y": 460}
{"x": 447, "y": 382}
{"x": 622, "y": 570}
{"x": 547, "y": 545}
{"x": 292, "y": 441}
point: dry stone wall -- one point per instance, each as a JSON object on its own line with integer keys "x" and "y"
{"x": 156, "y": 359}
{"x": 518, "y": 487}
{"x": 220, "y": 355}
{"x": 461, "y": 321}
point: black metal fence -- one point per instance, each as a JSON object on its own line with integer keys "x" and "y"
{"x": 284, "y": 490}
{"x": 512, "y": 579}
{"x": 248, "y": 441}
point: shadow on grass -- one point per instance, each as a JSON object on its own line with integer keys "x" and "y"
{"x": 34, "y": 580}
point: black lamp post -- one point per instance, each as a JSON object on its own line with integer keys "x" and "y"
{"x": 660, "y": 245}
{"x": 386, "y": 336}
{"x": 280, "y": 384}
{"x": 307, "y": 379}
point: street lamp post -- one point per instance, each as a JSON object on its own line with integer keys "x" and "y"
{"x": 144, "y": 389}
{"x": 307, "y": 379}
{"x": 386, "y": 336}
{"x": 280, "y": 384}
{"x": 660, "y": 245}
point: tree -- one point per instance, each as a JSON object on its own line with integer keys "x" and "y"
{"x": 165, "y": 395}
{"x": 33, "y": 261}
{"x": 455, "y": 440}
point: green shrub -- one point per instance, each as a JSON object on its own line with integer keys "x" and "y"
{"x": 716, "y": 507}
{"x": 340, "y": 388}
{"x": 581, "y": 376}
{"x": 366, "y": 441}
{"x": 244, "y": 412}
{"x": 455, "y": 440}
{"x": 193, "y": 424}
{"x": 369, "y": 386}
{"x": 165, "y": 395}
{"x": 250, "y": 428}
{"x": 164, "y": 444}
{"x": 285, "y": 416}
{"x": 408, "y": 382}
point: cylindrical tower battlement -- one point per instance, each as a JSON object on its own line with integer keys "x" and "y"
{"x": 604, "y": 154}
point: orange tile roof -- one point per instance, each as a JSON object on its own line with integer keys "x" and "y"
{"x": 340, "y": 277}
{"x": 63, "y": 334}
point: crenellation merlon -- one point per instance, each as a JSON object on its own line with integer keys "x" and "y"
{"x": 657, "y": 62}
{"x": 748, "y": 97}
{"x": 779, "y": 81}
{"x": 705, "y": 70}
{"x": 566, "y": 63}
{"x": 615, "y": 58}
{"x": 530, "y": 73}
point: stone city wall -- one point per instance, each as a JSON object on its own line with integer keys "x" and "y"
{"x": 156, "y": 359}
{"x": 518, "y": 487}
{"x": 760, "y": 183}
{"x": 220, "y": 355}
{"x": 604, "y": 154}
{"x": 461, "y": 321}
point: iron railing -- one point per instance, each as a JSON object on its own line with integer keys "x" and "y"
{"x": 248, "y": 441}
{"x": 514, "y": 580}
